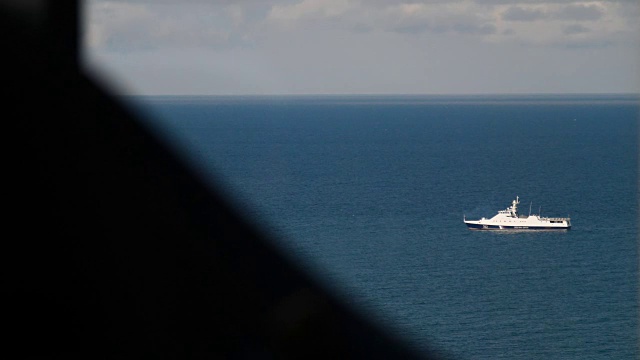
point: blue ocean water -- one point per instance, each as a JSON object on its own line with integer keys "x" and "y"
{"x": 368, "y": 193}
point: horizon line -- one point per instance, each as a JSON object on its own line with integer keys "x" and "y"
{"x": 625, "y": 94}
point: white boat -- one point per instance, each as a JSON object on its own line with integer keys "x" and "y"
{"x": 509, "y": 219}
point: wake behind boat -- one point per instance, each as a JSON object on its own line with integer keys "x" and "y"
{"x": 509, "y": 219}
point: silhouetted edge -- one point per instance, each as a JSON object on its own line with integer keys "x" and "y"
{"x": 116, "y": 249}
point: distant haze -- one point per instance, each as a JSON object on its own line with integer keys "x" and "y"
{"x": 222, "y": 47}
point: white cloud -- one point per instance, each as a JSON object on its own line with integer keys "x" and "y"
{"x": 582, "y": 12}
{"x": 142, "y": 25}
{"x": 106, "y": 20}
{"x": 311, "y": 8}
{"x": 454, "y": 17}
{"x": 525, "y": 21}
{"x": 520, "y": 13}
{"x": 355, "y": 45}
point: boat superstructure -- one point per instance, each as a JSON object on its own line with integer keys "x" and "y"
{"x": 509, "y": 219}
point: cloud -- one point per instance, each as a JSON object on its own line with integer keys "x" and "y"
{"x": 139, "y": 25}
{"x": 434, "y": 17}
{"x": 142, "y": 26}
{"x": 575, "y": 29}
{"x": 387, "y": 16}
{"x": 117, "y": 25}
{"x": 550, "y": 2}
{"x": 554, "y": 23}
{"x": 310, "y": 8}
{"x": 519, "y": 13}
{"x": 572, "y": 12}
{"x": 581, "y": 12}
{"x": 366, "y": 46}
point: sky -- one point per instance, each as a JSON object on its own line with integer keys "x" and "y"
{"x": 253, "y": 47}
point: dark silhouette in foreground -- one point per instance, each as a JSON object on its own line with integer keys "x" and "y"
{"x": 113, "y": 248}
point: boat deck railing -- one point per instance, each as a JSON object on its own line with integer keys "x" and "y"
{"x": 545, "y": 218}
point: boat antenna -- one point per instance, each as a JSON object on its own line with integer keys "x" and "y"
{"x": 530, "y": 208}
{"x": 540, "y": 211}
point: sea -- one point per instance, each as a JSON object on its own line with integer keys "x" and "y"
{"x": 368, "y": 193}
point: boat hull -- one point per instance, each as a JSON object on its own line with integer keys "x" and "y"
{"x": 512, "y": 228}
{"x": 509, "y": 219}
